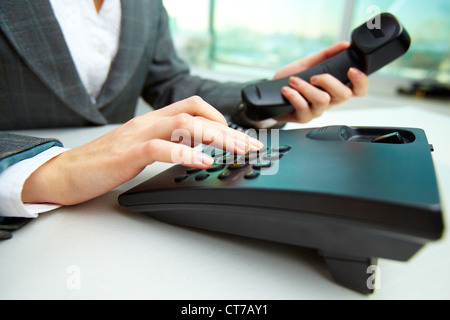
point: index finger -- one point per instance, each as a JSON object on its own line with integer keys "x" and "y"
{"x": 194, "y": 106}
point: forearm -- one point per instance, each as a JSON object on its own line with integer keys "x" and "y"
{"x": 225, "y": 97}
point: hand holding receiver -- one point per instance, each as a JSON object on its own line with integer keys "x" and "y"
{"x": 370, "y": 50}
{"x": 166, "y": 135}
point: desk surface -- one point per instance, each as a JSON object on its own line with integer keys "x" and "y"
{"x": 98, "y": 250}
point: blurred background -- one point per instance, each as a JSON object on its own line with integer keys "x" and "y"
{"x": 254, "y": 38}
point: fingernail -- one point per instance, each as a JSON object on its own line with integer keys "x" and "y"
{"x": 285, "y": 90}
{"x": 204, "y": 159}
{"x": 295, "y": 80}
{"x": 354, "y": 73}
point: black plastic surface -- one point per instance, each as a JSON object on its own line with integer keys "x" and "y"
{"x": 333, "y": 189}
{"x": 9, "y": 225}
{"x": 371, "y": 49}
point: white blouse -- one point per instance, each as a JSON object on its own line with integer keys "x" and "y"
{"x": 92, "y": 38}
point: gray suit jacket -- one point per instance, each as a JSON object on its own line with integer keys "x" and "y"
{"x": 40, "y": 86}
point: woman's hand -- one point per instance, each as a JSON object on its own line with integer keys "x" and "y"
{"x": 300, "y": 92}
{"x": 165, "y": 135}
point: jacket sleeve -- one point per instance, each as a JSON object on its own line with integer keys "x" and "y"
{"x": 15, "y": 148}
{"x": 169, "y": 78}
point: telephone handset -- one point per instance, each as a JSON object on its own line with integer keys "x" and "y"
{"x": 373, "y": 46}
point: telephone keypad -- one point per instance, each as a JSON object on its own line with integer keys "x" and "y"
{"x": 238, "y": 166}
{"x": 227, "y": 165}
{"x": 216, "y": 167}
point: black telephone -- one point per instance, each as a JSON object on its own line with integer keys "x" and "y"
{"x": 355, "y": 194}
{"x": 372, "y": 47}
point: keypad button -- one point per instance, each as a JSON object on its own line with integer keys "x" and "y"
{"x": 193, "y": 170}
{"x": 282, "y": 149}
{"x": 273, "y": 156}
{"x": 259, "y": 152}
{"x": 262, "y": 164}
{"x": 238, "y": 166}
{"x": 216, "y": 167}
{"x": 181, "y": 178}
{"x": 252, "y": 175}
{"x": 225, "y": 175}
{"x": 201, "y": 177}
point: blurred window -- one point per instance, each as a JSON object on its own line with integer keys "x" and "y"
{"x": 268, "y": 34}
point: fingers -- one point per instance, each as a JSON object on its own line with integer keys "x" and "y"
{"x": 189, "y": 130}
{"x": 193, "y": 121}
{"x": 170, "y": 152}
{"x": 195, "y": 106}
{"x": 337, "y": 91}
{"x": 360, "y": 82}
{"x": 188, "y": 123}
{"x": 311, "y": 100}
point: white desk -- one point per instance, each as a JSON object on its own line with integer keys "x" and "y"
{"x": 122, "y": 255}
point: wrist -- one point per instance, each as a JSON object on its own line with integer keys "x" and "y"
{"x": 42, "y": 186}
